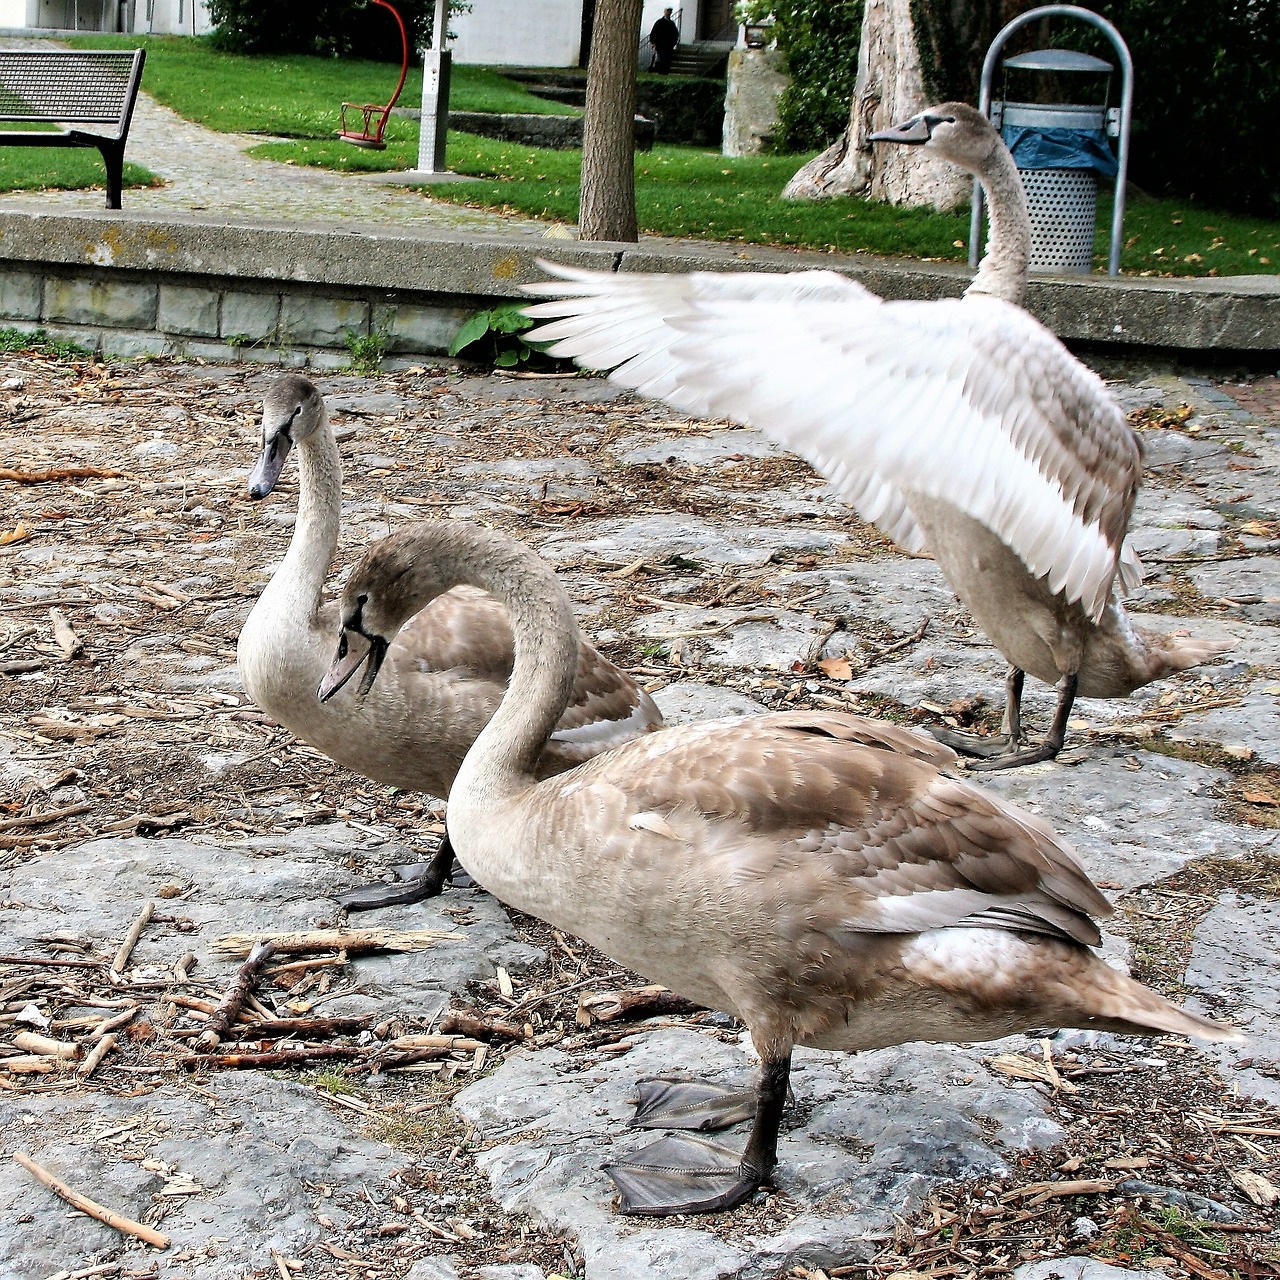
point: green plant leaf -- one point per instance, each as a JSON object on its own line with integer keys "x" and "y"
{"x": 509, "y": 319}
{"x": 505, "y": 359}
{"x": 471, "y": 330}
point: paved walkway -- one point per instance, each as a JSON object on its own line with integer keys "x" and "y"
{"x": 208, "y": 173}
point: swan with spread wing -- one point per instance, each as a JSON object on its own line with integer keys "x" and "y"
{"x": 961, "y": 427}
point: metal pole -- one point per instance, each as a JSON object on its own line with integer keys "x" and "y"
{"x": 436, "y": 67}
{"x": 1126, "y": 112}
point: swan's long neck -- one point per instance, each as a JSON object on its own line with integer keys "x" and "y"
{"x": 503, "y": 760}
{"x": 299, "y": 581}
{"x": 1002, "y": 273}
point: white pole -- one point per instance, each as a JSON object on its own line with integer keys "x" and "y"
{"x": 435, "y": 96}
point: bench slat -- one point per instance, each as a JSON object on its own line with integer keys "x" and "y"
{"x": 55, "y": 86}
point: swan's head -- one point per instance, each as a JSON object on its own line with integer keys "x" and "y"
{"x": 953, "y": 130}
{"x": 391, "y": 583}
{"x": 291, "y": 410}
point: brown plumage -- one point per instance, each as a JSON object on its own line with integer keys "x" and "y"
{"x": 812, "y": 873}
{"x": 444, "y": 675}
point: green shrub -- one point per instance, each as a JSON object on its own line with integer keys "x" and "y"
{"x": 1206, "y": 82}
{"x": 820, "y": 39}
{"x": 342, "y": 28}
{"x": 1206, "y": 96}
{"x": 684, "y": 109}
{"x": 497, "y": 338}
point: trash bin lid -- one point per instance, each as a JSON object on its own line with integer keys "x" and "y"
{"x": 1057, "y": 60}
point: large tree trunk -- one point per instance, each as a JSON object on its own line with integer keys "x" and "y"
{"x": 607, "y": 209}
{"x": 900, "y": 70}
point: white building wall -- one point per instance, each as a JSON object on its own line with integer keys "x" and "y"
{"x": 170, "y": 17}
{"x": 519, "y": 33}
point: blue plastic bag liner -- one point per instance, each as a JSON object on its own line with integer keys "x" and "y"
{"x": 1060, "y": 149}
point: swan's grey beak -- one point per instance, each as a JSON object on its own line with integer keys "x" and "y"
{"x": 263, "y": 477}
{"x": 353, "y": 649}
{"x": 913, "y": 132}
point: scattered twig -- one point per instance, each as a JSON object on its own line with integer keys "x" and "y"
{"x": 349, "y": 940}
{"x": 489, "y": 1029}
{"x": 45, "y": 818}
{"x": 300, "y": 1028}
{"x": 112, "y": 1219}
{"x": 33, "y": 1042}
{"x": 63, "y": 635}
{"x": 99, "y": 1051}
{"x": 228, "y": 1008}
{"x": 275, "y": 1058}
{"x": 631, "y": 1004}
{"x": 58, "y": 473}
{"x": 130, "y": 941}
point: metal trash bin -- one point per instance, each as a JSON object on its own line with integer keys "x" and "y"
{"x": 1061, "y": 149}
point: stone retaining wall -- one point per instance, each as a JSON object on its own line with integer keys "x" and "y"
{"x": 126, "y": 285}
{"x": 135, "y": 313}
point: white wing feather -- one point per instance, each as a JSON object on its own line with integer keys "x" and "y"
{"x": 967, "y": 400}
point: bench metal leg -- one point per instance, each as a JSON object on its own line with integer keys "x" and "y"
{"x": 113, "y": 158}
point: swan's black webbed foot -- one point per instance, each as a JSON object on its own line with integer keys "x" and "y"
{"x": 1013, "y": 759}
{"x": 682, "y": 1174}
{"x": 973, "y": 744}
{"x": 415, "y": 882}
{"x": 672, "y": 1103}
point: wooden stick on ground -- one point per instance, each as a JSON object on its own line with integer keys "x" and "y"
{"x": 63, "y": 636}
{"x": 99, "y": 1051}
{"x": 229, "y": 1006}
{"x": 350, "y": 940}
{"x": 130, "y": 941}
{"x": 114, "y": 1220}
{"x": 631, "y": 1004}
{"x": 276, "y": 1058}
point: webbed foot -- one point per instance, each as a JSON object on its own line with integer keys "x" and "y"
{"x": 972, "y": 744}
{"x": 1014, "y": 759}
{"x": 669, "y": 1103}
{"x": 681, "y": 1174}
{"x": 414, "y": 882}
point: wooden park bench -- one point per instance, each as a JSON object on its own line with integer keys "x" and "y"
{"x": 89, "y": 92}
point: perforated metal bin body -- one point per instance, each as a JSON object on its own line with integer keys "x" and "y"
{"x": 1063, "y": 203}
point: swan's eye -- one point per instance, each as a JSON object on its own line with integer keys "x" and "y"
{"x": 342, "y": 644}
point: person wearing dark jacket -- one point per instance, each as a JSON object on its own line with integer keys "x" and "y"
{"x": 664, "y": 37}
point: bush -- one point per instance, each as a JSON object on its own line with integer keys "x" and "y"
{"x": 1205, "y": 99}
{"x": 820, "y": 39}
{"x": 684, "y": 109}
{"x": 339, "y": 28}
{"x": 1206, "y": 82}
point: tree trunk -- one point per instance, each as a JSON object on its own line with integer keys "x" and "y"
{"x": 891, "y": 87}
{"x": 607, "y": 210}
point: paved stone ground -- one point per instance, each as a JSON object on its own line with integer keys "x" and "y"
{"x": 721, "y": 572}
{"x": 208, "y": 173}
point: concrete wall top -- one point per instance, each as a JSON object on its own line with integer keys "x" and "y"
{"x": 1232, "y": 313}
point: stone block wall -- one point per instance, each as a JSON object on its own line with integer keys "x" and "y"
{"x": 131, "y": 313}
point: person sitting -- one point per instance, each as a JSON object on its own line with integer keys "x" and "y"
{"x": 664, "y": 37}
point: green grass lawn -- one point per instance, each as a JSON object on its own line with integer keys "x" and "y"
{"x": 680, "y": 191}
{"x": 62, "y": 169}
{"x": 297, "y": 96}
{"x": 688, "y": 193}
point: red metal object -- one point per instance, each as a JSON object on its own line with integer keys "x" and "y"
{"x": 373, "y": 116}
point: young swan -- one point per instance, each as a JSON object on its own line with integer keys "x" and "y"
{"x": 444, "y": 674}
{"x": 812, "y": 874}
{"x": 960, "y": 426}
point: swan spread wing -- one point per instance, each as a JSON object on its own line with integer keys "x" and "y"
{"x": 967, "y": 400}
{"x": 897, "y": 847}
